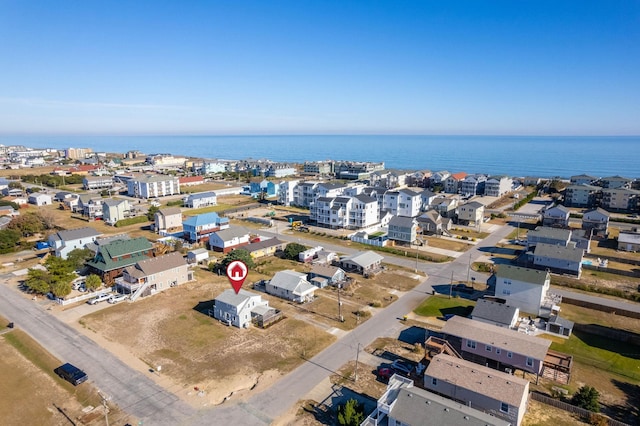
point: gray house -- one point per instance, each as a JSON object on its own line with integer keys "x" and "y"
{"x": 201, "y": 199}
{"x": 237, "y": 309}
{"x": 404, "y": 404}
{"x": 155, "y": 274}
{"x": 497, "y": 347}
{"x": 431, "y": 223}
{"x": 364, "y": 262}
{"x": 114, "y": 210}
{"x": 291, "y": 285}
{"x": 502, "y": 395}
{"x": 323, "y": 275}
{"x": 556, "y": 216}
{"x": 596, "y": 220}
{"x": 403, "y": 229}
{"x": 548, "y": 235}
{"x": 63, "y": 242}
{"x": 559, "y": 259}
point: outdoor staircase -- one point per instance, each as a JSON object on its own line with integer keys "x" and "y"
{"x": 435, "y": 346}
{"x": 139, "y": 291}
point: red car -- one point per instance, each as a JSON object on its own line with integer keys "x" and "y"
{"x": 385, "y": 372}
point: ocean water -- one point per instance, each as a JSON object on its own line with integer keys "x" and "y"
{"x": 508, "y": 155}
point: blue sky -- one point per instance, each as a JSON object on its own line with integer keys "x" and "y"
{"x": 313, "y": 67}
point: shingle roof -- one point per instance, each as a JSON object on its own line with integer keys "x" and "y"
{"x": 201, "y": 195}
{"x": 499, "y": 337}
{"x": 364, "y": 258}
{"x": 262, "y": 244}
{"x": 76, "y": 234}
{"x": 231, "y": 233}
{"x": 478, "y": 378}
{"x": 324, "y": 270}
{"x": 231, "y": 298}
{"x": 532, "y": 276}
{"x": 402, "y": 221}
{"x": 493, "y": 311}
{"x": 293, "y": 281}
{"x": 363, "y": 198}
{"x": 155, "y": 265}
{"x": 170, "y": 211}
{"x": 414, "y": 405}
{"x": 572, "y": 254}
{"x": 204, "y": 219}
{"x": 549, "y": 232}
{"x": 135, "y": 247}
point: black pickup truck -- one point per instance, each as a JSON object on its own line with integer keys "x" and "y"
{"x": 71, "y": 373}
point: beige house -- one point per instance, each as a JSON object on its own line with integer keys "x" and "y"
{"x": 152, "y": 275}
{"x": 471, "y": 213}
{"x": 168, "y": 220}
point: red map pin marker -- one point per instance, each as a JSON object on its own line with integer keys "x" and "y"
{"x": 237, "y": 272}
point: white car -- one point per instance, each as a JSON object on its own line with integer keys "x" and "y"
{"x": 115, "y": 298}
{"x": 99, "y": 298}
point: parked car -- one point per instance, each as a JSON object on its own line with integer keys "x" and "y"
{"x": 99, "y": 298}
{"x": 115, "y": 298}
{"x": 385, "y": 372}
{"x": 401, "y": 367}
{"x": 71, "y": 373}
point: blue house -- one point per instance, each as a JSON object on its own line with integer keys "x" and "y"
{"x": 198, "y": 228}
{"x": 266, "y": 187}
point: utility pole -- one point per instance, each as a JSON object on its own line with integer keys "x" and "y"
{"x": 451, "y": 285}
{"x": 469, "y": 269}
{"x": 340, "y": 318}
{"x": 417, "y": 249}
{"x": 355, "y": 378}
{"x": 106, "y": 408}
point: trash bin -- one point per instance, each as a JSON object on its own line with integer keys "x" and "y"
{"x": 10, "y": 325}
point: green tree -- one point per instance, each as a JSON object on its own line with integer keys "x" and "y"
{"x": 38, "y": 281}
{"x": 351, "y": 413}
{"x": 9, "y": 203}
{"x": 587, "y": 398}
{"x": 15, "y": 185}
{"x": 78, "y": 257}
{"x": 151, "y": 213}
{"x": 292, "y": 250}
{"x": 27, "y": 224}
{"x": 239, "y": 254}
{"x": 9, "y": 239}
{"x": 61, "y": 288}
{"x": 92, "y": 282}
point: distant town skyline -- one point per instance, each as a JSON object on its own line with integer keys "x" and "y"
{"x": 332, "y": 67}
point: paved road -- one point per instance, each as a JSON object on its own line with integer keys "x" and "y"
{"x": 131, "y": 390}
{"x": 141, "y": 397}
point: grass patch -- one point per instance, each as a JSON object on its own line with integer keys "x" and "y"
{"x": 438, "y": 306}
{"x": 131, "y": 221}
{"x": 581, "y": 315}
{"x": 447, "y": 244}
{"x": 596, "y": 351}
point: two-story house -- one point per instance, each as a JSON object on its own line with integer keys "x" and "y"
{"x": 596, "y": 221}
{"x": 499, "y": 348}
{"x": 199, "y": 228}
{"x": 63, "y": 242}
{"x": 471, "y": 213}
{"x": 476, "y": 386}
{"x": 473, "y": 185}
{"x": 111, "y": 258}
{"x": 582, "y": 179}
{"x": 556, "y": 216}
{"x": 548, "y": 235}
{"x": 559, "y": 259}
{"x": 201, "y": 199}
{"x": 523, "y": 288}
{"x": 237, "y": 308}
{"x": 152, "y": 275}
{"x": 228, "y": 239}
{"x": 497, "y": 186}
{"x": 403, "y": 229}
{"x": 168, "y": 219}
{"x": 453, "y": 182}
{"x": 114, "y": 210}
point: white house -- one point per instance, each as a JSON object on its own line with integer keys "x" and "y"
{"x": 152, "y": 186}
{"x": 63, "y": 242}
{"x": 114, "y": 210}
{"x": 197, "y": 255}
{"x": 235, "y": 309}
{"x": 228, "y": 239}
{"x": 523, "y": 288}
{"x": 291, "y": 285}
{"x": 201, "y": 199}
{"x": 558, "y": 258}
{"x": 404, "y": 202}
{"x": 168, "y": 220}
{"x": 40, "y": 199}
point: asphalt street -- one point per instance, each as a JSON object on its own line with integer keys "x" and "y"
{"x": 140, "y": 396}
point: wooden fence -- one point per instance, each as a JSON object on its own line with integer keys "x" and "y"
{"x": 603, "y": 308}
{"x": 585, "y": 414}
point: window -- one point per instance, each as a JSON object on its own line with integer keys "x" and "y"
{"x": 529, "y": 362}
{"x": 471, "y": 344}
{"x": 498, "y": 351}
{"x": 509, "y": 355}
{"x": 434, "y": 381}
{"x": 504, "y": 407}
{"x": 487, "y": 348}
{"x": 506, "y": 292}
